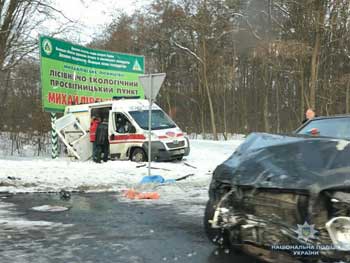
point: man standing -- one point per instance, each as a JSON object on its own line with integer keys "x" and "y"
{"x": 309, "y": 115}
{"x": 102, "y": 143}
{"x": 93, "y": 127}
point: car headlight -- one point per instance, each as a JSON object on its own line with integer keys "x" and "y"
{"x": 339, "y": 231}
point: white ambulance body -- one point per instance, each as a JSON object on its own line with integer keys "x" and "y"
{"x": 127, "y": 131}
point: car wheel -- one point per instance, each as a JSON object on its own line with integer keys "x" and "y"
{"x": 218, "y": 236}
{"x": 138, "y": 155}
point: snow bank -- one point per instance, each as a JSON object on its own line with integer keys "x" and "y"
{"x": 23, "y": 174}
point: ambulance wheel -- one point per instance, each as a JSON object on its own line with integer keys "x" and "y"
{"x": 138, "y": 155}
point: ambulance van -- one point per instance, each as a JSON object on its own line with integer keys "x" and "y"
{"x": 127, "y": 130}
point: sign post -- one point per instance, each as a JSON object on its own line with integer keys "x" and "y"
{"x": 151, "y": 84}
{"x": 54, "y": 137}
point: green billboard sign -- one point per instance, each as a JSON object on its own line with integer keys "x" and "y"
{"x": 73, "y": 74}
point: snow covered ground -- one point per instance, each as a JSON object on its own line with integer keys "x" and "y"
{"x": 31, "y": 174}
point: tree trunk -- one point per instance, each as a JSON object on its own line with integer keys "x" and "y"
{"x": 266, "y": 100}
{"x": 347, "y": 102}
{"x": 201, "y": 105}
{"x": 302, "y": 92}
{"x": 316, "y": 54}
{"x": 170, "y": 110}
{"x": 39, "y": 144}
{"x": 278, "y": 124}
{"x": 225, "y": 120}
{"x": 212, "y": 115}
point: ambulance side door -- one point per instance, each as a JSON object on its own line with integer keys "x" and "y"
{"x": 120, "y": 131}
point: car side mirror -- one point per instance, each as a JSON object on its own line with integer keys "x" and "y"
{"x": 313, "y": 132}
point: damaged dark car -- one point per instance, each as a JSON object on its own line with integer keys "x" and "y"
{"x": 286, "y": 198}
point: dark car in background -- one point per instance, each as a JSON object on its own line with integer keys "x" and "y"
{"x": 286, "y": 198}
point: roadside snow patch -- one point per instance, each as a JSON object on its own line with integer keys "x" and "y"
{"x": 11, "y": 220}
{"x": 50, "y": 208}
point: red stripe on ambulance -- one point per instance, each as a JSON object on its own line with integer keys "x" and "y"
{"x": 120, "y": 142}
{"x": 127, "y": 137}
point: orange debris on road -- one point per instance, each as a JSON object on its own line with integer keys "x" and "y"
{"x": 133, "y": 194}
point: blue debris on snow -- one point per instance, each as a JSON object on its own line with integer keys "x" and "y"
{"x": 156, "y": 179}
{"x": 160, "y": 179}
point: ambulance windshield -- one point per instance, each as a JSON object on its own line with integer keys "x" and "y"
{"x": 159, "y": 120}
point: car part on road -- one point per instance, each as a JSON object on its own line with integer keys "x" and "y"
{"x": 184, "y": 177}
{"x": 65, "y": 195}
{"x": 161, "y": 180}
{"x": 133, "y": 194}
{"x": 156, "y": 168}
{"x": 156, "y": 179}
{"x": 189, "y": 165}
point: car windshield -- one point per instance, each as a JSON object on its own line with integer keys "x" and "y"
{"x": 336, "y": 128}
{"x": 159, "y": 120}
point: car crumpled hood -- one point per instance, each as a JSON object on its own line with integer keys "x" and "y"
{"x": 288, "y": 162}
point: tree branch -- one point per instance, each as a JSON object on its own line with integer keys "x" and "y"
{"x": 187, "y": 50}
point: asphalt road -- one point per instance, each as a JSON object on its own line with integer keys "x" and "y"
{"x": 102, "y": 228}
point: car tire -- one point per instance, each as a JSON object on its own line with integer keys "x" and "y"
{"x": 219, "y": 237}
{"x": 138, "y": 155}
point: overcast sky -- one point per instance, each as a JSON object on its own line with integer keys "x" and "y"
{"x": 93, "y": 15}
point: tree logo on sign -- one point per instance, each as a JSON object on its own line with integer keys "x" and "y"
{"x": 136, "y": 66}
{"x": 47, "y": 47}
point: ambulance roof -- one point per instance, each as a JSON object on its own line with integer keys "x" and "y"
{"x": 117, "y": 105}
{"x": 132, "y": 105}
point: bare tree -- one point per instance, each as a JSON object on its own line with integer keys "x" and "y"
{"x": 20, "y": 21}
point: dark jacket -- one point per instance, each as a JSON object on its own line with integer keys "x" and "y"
{"x": 305, "y": 120}
{"x": 102, "y": 134}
